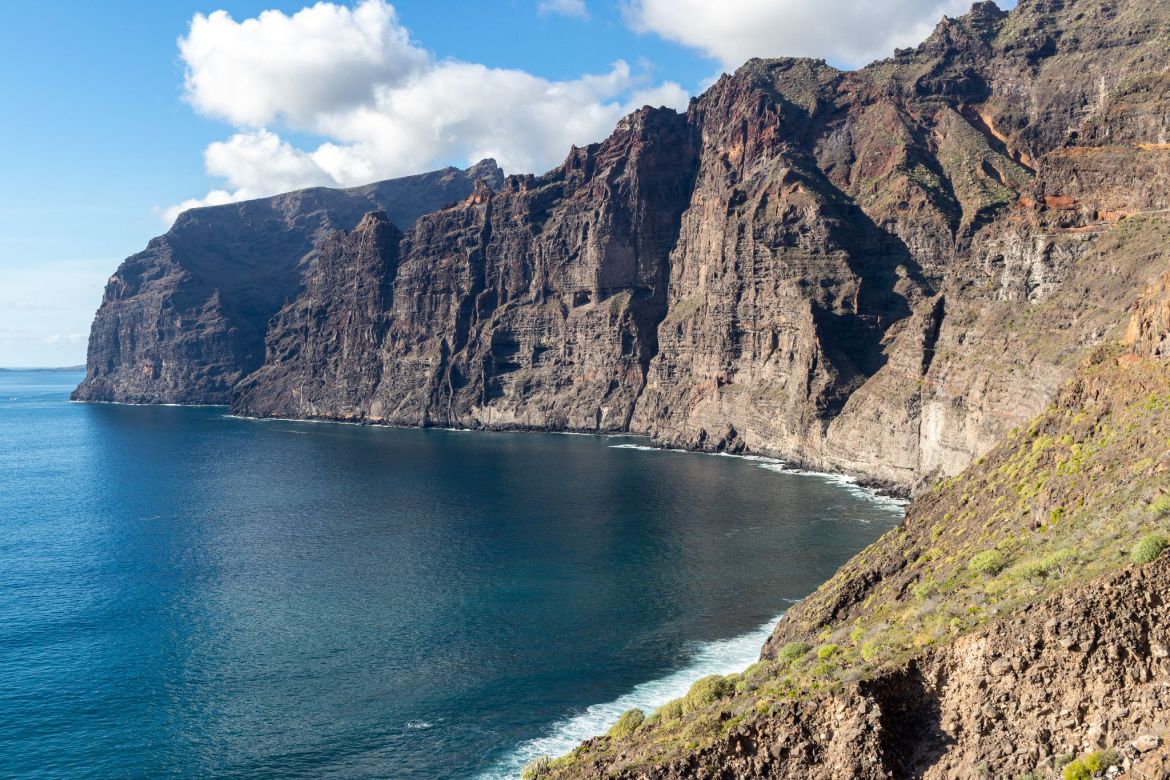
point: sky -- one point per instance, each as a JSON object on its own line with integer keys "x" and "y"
{"x": 120, "y": 114}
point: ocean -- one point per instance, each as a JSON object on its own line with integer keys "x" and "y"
{"x": 187, "y": 594}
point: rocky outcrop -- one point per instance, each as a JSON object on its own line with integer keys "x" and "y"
{"x": 1086, "y": 669}
{"x": 184, "y": 320}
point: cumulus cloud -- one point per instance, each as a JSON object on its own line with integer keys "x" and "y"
{"x": 575, "y": 8}
{"x": 385, "y": 106}
{"x": 846, "y": 32}
{"x": 323, "y": 58}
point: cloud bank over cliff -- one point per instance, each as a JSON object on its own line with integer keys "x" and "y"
{"x": 845, "y": 32}
{"x": 380, "y": 103}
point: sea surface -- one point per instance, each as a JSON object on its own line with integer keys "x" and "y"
{"x": 186, "y": 594}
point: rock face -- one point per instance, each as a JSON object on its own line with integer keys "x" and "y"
{"x": 534, "y": 306}
{"x": 333, "y": 331}
{"x": 184, "y": 320}
{"x": 880, "y": 271}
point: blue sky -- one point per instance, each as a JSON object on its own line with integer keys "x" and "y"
{"x": 102, "y": 136}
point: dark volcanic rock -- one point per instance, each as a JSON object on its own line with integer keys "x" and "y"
{"x": 185, "y": 320}
{"x": 324, "y": 348}
{"x": 536, "y": 306}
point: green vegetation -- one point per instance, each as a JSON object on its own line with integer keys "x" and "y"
{"x": 537, "y": 768}
{"x": 1160, "y": 506}
{"x": 989, "y": 562}
{"x": 672, "y": 710}
{"x": 1149, "y": 548}
{"x": 627, "y": 724}
{"x": 1085, "y": 768}
{"x": 793, "y": 651}
{"x": 707, "y": 690}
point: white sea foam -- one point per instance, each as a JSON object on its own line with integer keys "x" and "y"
{"x": 752, "y": 458}
{"x": 846, "y": 482}
{"x": 722, "y": 657}
{"x": 130, "y": 403}
{"x": 641, "y": 447}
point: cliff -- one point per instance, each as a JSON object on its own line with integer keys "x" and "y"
{"x": 184, "y": 320}
{"x": 946, "y": 271}
{"x": 534, "y": 306}
{"x": 880, "y": 272}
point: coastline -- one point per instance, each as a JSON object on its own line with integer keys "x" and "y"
{"x": 723, "y": 656}
{"x": 792, "y": 464}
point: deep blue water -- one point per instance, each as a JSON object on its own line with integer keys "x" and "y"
{"x": 184, "y": 594}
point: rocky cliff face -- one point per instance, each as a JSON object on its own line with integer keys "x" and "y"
{"x": 880, "y": 271}
{"x": 535, "y": 306}
{"x": 184, "y": 320}
{"x": 986, "y": 171}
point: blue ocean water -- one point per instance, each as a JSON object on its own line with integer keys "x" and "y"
{"x": 185, "y": 594}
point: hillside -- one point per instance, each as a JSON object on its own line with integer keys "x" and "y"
{"x": 1013, "y": 626}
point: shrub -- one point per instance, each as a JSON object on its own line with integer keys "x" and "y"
{"x": 989, "y": 562}
{"x": 627, "y": 724}
{"x": 701, "y": 727}
{"x": 707, "y": 690}
{"x": 873, "y": 650}
{"x": 1085, "y": 768}
{"x": 1149, "y": 548}
{"x": 672, "y": 710}
{"x": 792, "y": 651}
{"x": 1076, "y": 770}
{"x": 825, "y": 652}
{"x": 536, "y": 768}
{"x": 1160, "y": 506}
{"x": 1044, "y": 566}
{"x": 1101, "y": 760}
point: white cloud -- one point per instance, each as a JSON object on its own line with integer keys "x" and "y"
{"x": 847, "y": 32}
{"x": 323, "y": 58}
{"x": 386, "y": 107}
{"x": 574, "y": 8}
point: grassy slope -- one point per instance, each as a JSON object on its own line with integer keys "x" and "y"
{"x": 1062, "y": 502}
